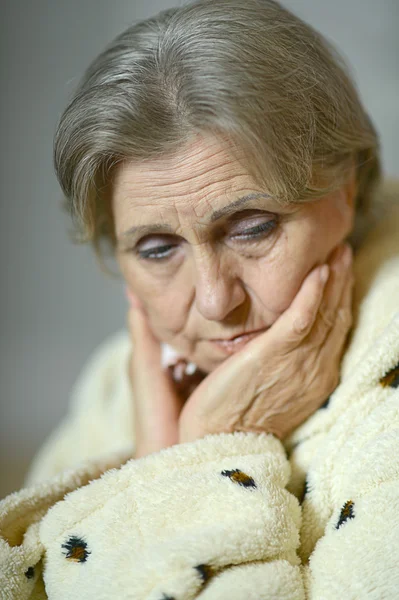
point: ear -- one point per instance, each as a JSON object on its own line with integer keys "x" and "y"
{"x": 21, "y": 550}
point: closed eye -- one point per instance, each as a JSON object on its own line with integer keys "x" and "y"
{"x": 162, "y": 252}
{"x": 157, "y": 252}
{"x": 256, "y": 232}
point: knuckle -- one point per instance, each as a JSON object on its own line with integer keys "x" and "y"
{"x": 327, "y": 316}
{"x": 302, "y": 322}
{"x": 345, "y": 317}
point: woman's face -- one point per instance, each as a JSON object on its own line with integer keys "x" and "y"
{"x": 209, "y": 254}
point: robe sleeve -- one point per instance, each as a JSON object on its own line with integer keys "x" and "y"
{"x": 208, "y": 519}
{"x": 358, "y": 555}
{"x": 213, "y": 519}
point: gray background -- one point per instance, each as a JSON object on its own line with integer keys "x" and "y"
{"x": 56, "y": 305}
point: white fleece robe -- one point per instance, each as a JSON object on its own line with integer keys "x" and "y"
{"x": 238, "y": 516}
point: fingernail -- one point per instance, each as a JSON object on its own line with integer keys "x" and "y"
{"x": 324, "y": 273}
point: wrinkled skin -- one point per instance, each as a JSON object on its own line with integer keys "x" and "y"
{"x": 204, "y": 278}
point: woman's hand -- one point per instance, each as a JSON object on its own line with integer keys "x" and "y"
{"x": 284, "y": 375}
{"x": 158, "y": 392}
{"x": 157, "y": 404}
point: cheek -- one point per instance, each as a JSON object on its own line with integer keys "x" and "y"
{"x": 165, "y": 303}
{"x": 275, "y": 280}
{"x": 167, "y": 313}
{"x": 276, "y": 286}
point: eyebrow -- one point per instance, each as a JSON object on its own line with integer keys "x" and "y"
{"x": 215, "y": 216}
{"x": 227, "y": 210}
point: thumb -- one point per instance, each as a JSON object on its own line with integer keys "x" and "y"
{"x": 146, "y": 347}
{"x": 148, "y": 356}
{"x": 294, "y": 324}
{"x": 157, "y": 404}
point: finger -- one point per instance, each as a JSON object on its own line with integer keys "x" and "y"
{"x": 157, "y": 404}
{"x": 154, "y": 382}
{"x": 334, "y": 347}
{"x": 132, "y": 298}
{"x": 337, "y": 336}
{"x": 295, "y": 323}
{"x": 340, "y": 271}
{"x": 152, "y": 385}
{"x": 141, "y": 334}
{"x": 146, "y": 348}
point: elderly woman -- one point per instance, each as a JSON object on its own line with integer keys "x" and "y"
{"x": 241, "y": 441}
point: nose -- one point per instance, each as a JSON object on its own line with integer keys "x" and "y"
{"x": 218, "y": 290}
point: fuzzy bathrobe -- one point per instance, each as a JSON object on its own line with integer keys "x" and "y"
{"x": 235, "y": 516}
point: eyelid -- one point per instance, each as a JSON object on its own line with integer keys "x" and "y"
{"x": 145, "y": 254}
{"x": 240, "y": 228}
{"x": 160, "y": 238}
{"x": 251, "y": 223}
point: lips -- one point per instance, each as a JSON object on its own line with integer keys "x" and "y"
{"x": 232, "y": 345}
{"x": 237, "y": 337}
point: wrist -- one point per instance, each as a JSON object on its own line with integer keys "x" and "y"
{"x": 190, "y": 431}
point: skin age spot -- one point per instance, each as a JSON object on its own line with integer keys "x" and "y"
{"x": 208, "y": 253}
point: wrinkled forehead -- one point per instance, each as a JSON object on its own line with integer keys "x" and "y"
{"x": 203, "y": 174}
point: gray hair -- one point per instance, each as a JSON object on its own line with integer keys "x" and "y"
{"x": 251, "y": 71}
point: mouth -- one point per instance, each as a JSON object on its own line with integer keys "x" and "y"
{"x": 238, "y": 336}
{"x": 231, "y": 345}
